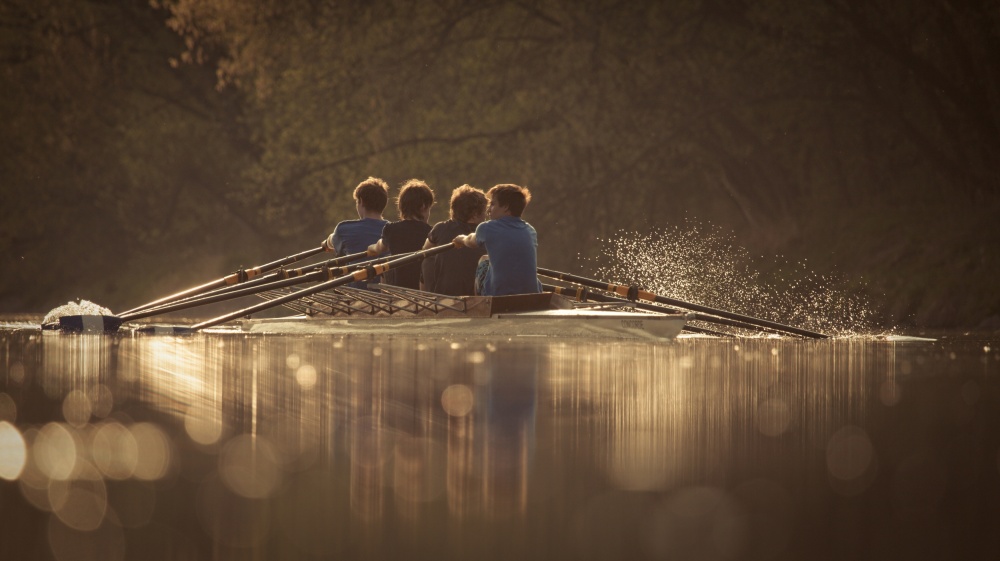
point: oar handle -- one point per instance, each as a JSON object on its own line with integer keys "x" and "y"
{"x": 365, "y": 273}
{"x": 633, "y": 292}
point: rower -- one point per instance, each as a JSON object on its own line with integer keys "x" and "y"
{"x": 354, "y": 236}
{"x": 509, "y": 266}
{"x": 408, "y": 233}
{"x": 454, "y": 272}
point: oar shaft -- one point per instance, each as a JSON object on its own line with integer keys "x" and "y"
{"x": 227, "y": 295}
{"x": 238, "y": 290}
{"x": 633, "y": 292}
{"x": 227, "y": 280}
{"x": 359, "y": 275}
{"x": 581, "y": 293}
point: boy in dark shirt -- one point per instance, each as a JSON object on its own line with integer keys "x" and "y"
{"x": 454, "y": 272}
{"x": 407, "y": 234}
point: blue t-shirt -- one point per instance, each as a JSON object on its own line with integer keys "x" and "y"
{"x": 512, "y": 245}
{"x": 354, "y": 236}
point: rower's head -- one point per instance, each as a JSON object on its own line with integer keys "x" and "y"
{"x": 507, "y": 199}
{"x": 372, "y": 194}
{"x": 415, "y": 200}
{"x": 468, "y": 204}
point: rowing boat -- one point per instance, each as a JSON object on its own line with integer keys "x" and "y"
{"x": 329, "y": 306}
{"x": 396, "y": 310}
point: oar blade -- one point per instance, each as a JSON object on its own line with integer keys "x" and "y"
{"x": 165, "y": 330}
{"x": 87, "y": 324}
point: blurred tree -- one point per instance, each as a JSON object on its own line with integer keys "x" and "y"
{"x": 802, "y": 127}
{"x": 114, "y": 164}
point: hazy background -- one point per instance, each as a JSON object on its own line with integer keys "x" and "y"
{"x": 148, "y": 146}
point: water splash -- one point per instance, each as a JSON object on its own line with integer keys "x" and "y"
{"x": 78, "y": 308}
{"x": 704, "y": 265}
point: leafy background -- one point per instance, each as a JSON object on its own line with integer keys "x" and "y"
{"x": 149, "y": 146}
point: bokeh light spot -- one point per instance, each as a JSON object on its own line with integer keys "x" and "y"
{"x": 153, "y": 451}
{"x": 54, "y": 451}
{"x": 8, "y": 409}
{"x": 203, "y": 424}
{"x": 102, "y": 401}
{"x": 82, "y": 502}
{"x": 76, "y": 408}
{"x": 305, "y": 375}
{"x": 17, "y": 373}
{"x": 114, "y": 450}
{"x": 249, "y": 466}
{"x": 849, "y": 453}
{"x": 457, "y": 400}
{"x": 13, "y": 451}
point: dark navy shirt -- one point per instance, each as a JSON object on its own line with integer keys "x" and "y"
{"x": 452, "y": 272}
{"x": 400, "y": 237}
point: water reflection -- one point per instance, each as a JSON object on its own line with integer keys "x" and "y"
{"x": 376, "y": 447}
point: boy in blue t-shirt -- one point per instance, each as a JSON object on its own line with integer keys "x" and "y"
{"x": 510, "y": 263}
{"x": 354, "y": 236}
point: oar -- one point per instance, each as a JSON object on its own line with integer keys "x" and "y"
{"x": 239, "y": 276}
{"x": 237, "y": 290}
{"x": 360, "y": 275}
{"x": 582, "y": 294}
{"x": 240, "y": 291}
{"x": 633, "y": 293}
{"x": 112, "y": 323}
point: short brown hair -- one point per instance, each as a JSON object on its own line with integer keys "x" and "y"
{"x": 514, "y": 197}
{"x": 413, "y": 196}
{"x": 466, "y": 202}
{"x": 373, "y": 194}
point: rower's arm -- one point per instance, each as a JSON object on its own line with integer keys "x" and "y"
{"x": 328, "y": 244}
{"x": 467, "y": 241}
{"x": 377, "y": 248}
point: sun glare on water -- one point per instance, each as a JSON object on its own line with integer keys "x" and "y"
{"x": 702, "y": 265}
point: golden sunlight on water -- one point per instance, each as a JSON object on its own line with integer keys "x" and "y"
{"x": 227, "y": 446}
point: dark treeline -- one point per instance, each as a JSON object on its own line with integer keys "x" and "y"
{"x": 149, "y": 147}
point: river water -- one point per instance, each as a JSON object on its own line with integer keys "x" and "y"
{"x": 228, "y": 446}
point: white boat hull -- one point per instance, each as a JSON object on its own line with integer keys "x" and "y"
{"x": 546, "y": 323}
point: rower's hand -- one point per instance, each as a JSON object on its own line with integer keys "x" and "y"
{"x": 459, "y": 240}
{"x": 372, "y": 251}
{"x": 327, "y": 246}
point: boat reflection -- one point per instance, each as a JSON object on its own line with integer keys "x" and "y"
{"x": 373, "y": 447}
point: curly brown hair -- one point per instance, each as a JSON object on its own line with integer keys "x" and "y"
{"x": 413, "y": 196}
{"x": 373, "y": 194}
{"x": 467, "y": 202}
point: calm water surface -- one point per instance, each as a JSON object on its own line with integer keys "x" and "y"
{"x": 226, "y": 446}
